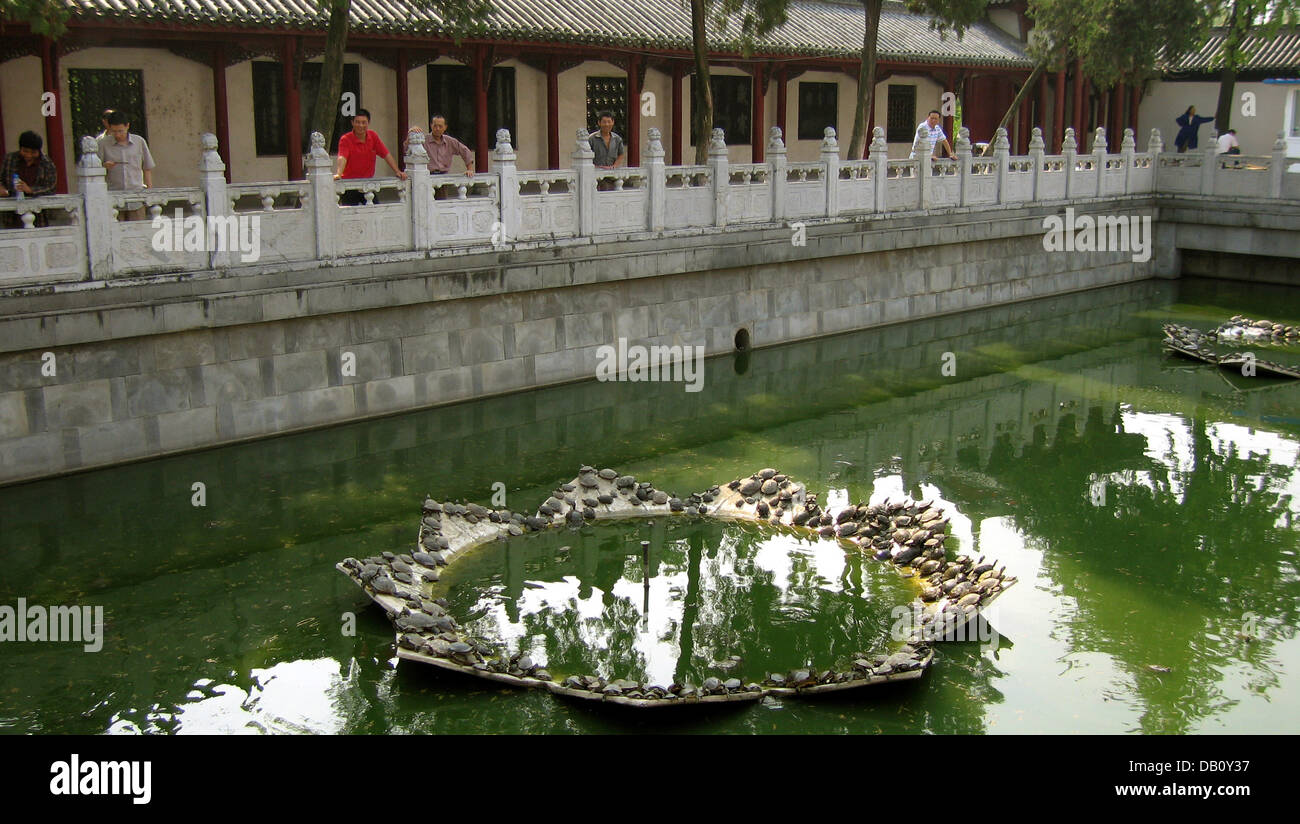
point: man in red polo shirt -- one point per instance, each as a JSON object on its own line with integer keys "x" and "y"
{"x": 357, "y": 152}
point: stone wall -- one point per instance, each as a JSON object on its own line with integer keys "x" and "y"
{"x": 209, "y": 362}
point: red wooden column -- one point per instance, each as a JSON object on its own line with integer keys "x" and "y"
{"x": 480, "y": 110}
{"x": 220, "y": 106}
{"x": 53, "y": 123}
{"x": 552, "y": 112}
{"x": 757, "y": 131}
{"x": 1043, "y": 97}
{"x": 403, "y": 106}
{"x": 1077, "y": 120}
{"x": 293, "y": 111}
{"x": 1058, "y": 115}
{"x": 634, "y": 110}
{"x": 677, "y": 114}
{"x": 1121, "y": 116}
{"x": 1022, "y": 128}
{"x": 1135, "y": 98}
{"x": 782, "y": 89}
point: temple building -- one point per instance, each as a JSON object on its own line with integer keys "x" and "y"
{"x": 247, "y": 71}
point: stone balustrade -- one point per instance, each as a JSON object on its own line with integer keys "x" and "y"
{"x": 83, "y": 237}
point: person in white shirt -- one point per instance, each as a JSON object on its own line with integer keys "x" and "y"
{"x": 1228, "y": 142}
{"x": 937, "y": 137}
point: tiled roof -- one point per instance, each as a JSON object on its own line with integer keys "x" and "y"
{"x": 824, "y": 28}
{"x": 1281, "y": 52}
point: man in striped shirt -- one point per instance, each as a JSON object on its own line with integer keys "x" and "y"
{"x": 937, "y": 137}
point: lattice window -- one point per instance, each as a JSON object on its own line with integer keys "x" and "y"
{"x": 268, "y": 105}
{"x": 451, "y": 94}
{"x": 93, "y": 90}
{"x": 901, "y": 114}
{"x": 818, "y": 108}
{"x": 732, "y": 106}
{"x": 607, "y": 93}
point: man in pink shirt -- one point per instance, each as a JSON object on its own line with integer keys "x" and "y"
{"x": 357, "y": 152}
{"x": 442, "y": 147}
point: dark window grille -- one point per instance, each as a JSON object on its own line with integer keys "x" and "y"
{"x": 818, "y": 108}
{"x": 93, "y": 90}
{"x": 607, "y": 93}
{"x": 732, "y": 106}
{"x": 451, "y": 94}
{"x": 901, "y": 114}
{"x": 268, "y": 105}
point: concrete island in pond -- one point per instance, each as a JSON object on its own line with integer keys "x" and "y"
{"x": 908, "y": 534}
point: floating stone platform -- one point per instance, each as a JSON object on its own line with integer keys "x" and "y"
{"x": 908, "y": 534}
{"x": 1239, "y": 331}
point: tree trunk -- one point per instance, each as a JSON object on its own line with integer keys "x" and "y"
{"x": 1021, "y": 97}
{"x": 1223, "y": 112}
{"x": 701, "y": 94}
{"x": 325, "y": 108}
{"x": 1228, "y": 77}
{"x": 866, "y": 79}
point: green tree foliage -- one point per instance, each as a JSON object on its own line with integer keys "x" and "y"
{"x": 1240, "y": 19}
{"x": 1115, "y": 40}
{"x": 47, "y": 17}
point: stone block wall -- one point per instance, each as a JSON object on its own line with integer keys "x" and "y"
{"x": 193, "y": 365}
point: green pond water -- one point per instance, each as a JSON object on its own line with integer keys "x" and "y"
{"x": 730, "y": 600}
{"x": 1148, "y": 505}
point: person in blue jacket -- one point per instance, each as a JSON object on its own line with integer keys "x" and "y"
{"x": 1191, "y": 124}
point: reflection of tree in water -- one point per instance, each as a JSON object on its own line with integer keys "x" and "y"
{"x": 730, "y": 604}
{"x": 1180, "y": 568}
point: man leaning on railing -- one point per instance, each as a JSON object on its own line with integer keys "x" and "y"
{"x": 27, "y": 172}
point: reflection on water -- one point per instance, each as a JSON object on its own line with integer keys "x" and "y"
{"x": 1147, "y": 505}
{"x": 721, "y": 599}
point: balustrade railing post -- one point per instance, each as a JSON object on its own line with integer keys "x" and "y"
{"x": 1155, "y": 146}
{"x": 1069, "y": 159}
{"x": 880, "y": 174}
{"x": 1099, "y": 155}
{"x": 1002, "y": 157}
{"x": 1036, "y": 150}
{"x": 831, "y": 169}
{"x": 776, "y": 164}
{"x": 721, "y": 176}
{"x": 1209, "y": 163}
{"x": 962, "y": 149}
{"x": 324, "y": 199}
{"x": 1127, "y": 148}
{"x": 502, "y": 161}
{"x": 921, "y": 151}
{"x": 1277, "y": 168}
{"x": 98, "y": 212}
{"x": 585, "y": 167}
{"x": 421, "y": 181}
{"x": 656, "y": 181}
{"x": 216, "y": 203}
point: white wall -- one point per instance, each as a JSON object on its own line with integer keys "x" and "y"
{"x": 1166, "y": 100}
